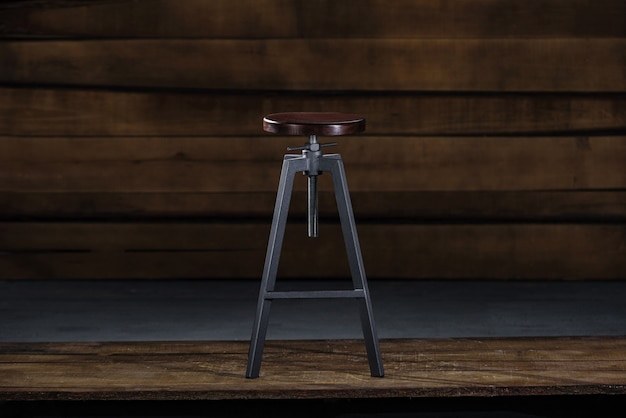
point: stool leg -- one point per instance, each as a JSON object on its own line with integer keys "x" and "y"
{"x": 334, "y": 164}
{"x": 291, "y": 165}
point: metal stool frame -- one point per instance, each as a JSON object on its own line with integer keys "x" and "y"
{"x": 312, "y": 162}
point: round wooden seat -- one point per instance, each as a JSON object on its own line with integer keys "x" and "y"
{"x": 313, "y": 123}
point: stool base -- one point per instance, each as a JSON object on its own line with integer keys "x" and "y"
{"x": 333, "y": 164}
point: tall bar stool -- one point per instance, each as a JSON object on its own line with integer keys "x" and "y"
{"x": 312, "y": 163}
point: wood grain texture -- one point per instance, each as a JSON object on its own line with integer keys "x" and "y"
{"x": 227, "y": 164}
{"x": 319, "y": 19}
{"x": 204, "y": 250}
{"x": 467, "y": 65}
{"x": 419, "y": 206}
{"x": 494, "y": 144}
{"x": 313, "y": 369}
{"x": 232, "y": 164}
{"x": 70, "y": 113}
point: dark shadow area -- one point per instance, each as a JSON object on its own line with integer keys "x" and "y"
{"x": 136, "y": 310}
{"x": 499, "y": 407}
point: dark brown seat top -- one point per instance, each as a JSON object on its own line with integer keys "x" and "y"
{"x": 313, "y": 123}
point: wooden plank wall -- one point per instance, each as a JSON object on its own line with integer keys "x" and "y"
{"x": 131, "y": 142}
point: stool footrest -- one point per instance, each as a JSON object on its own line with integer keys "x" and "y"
{"x": 317, "y": 294}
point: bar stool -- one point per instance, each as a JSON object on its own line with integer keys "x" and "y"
{"x": 312, "y": 163}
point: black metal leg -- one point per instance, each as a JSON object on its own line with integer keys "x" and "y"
{"x": 334, "y": 165}
{"x": 291, "y": 165}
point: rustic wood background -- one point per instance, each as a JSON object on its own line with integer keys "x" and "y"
{"x": 131, "y": 142}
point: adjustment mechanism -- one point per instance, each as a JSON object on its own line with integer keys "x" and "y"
{"x": 312, "y": 151}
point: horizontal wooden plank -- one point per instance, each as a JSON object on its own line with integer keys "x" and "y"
{"x": 322, "y": 18}
{"x": 453, "y": 206}
{"x": 62, "y": 112}
{"x": 438, "y": 65}
{"x": 236, "y": 250}
{"x": 163, "y": 164}
{"x": 313, "y": 369}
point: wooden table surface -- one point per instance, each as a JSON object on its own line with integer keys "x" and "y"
{"x": 313, "y": 369}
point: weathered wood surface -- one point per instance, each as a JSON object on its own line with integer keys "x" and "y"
{"x": 382, "y": 206}
{"x": 511, "y": 65}
{"x": 492, "y": 127}
{"x": 313, "y": 369}
{"x": 237, "y": 249}
{"x": 92, "y": 112}
{"x": 373, "y": 164}
{"x": 320, "y": 19}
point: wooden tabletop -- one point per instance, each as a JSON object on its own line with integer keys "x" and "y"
{"x": 312, "y": 369}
